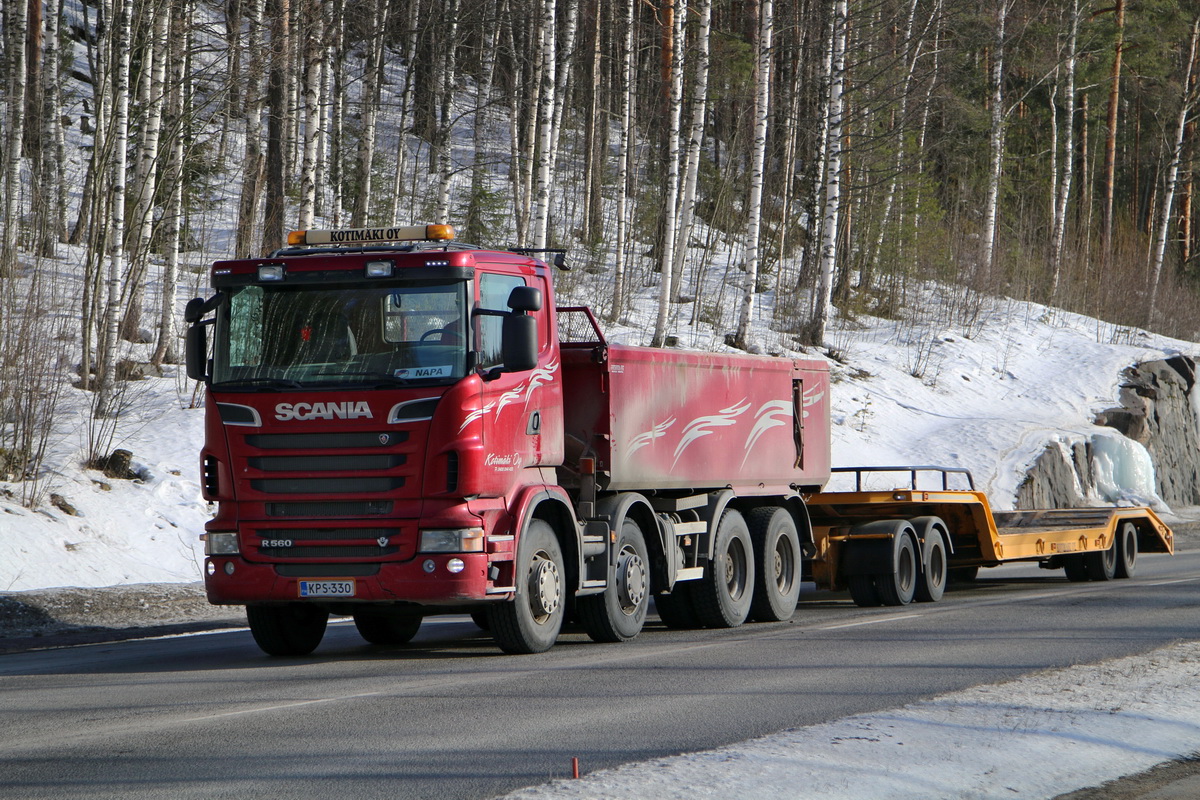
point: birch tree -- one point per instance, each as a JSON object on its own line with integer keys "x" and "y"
{"x": 165, "y": 349}
{"x": 372, "y": 86}
{"x": 545, "y": 116}
{"x": 313, "y": 58}
{"x": 1064, "y": 178}
{"x": 1168, "y": 197}
{"x": 15, "y": 46}
{"x": 762, "y": 114}
{"x": 832, "y": 169}
{"x": 625, "y": 140}
{"x": 691, "y": 171}
{"x": 670, "y": 203}
{"x": 991, "y": 207}
{"x": 254, "y": 163}
{"x": 106, "y": 396}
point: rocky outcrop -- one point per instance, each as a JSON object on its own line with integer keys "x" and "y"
{"x": 1157, "y": 411}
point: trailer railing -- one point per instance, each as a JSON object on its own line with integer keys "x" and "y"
{"x": 945, "y": 472}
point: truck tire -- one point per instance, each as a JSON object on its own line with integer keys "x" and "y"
{"x": 723, "y": 596}
{"x": 676, "y": 609}
{"x": 619, "y": 613}
{"x": 898, "y": 587}
{"x": 931, "y": 583}
{"x": 1127, "y": 550}
{"x": 777, "y": 564}
{"x": 388, "y": 626}
{"x": 531, "y": 622}
{"x": 291, "y": 630}
{"x": 863, "y": 591}
{"x": 1102, "y": 565}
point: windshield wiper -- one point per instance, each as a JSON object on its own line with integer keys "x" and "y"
{"x": 278, "y": 384}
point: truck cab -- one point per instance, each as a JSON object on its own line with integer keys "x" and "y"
{"x": 383, "y": 406}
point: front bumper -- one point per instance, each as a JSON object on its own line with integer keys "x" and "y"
{"x": 425, "y": 580}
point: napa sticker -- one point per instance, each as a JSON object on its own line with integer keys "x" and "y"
{"x": 424, "y": 372}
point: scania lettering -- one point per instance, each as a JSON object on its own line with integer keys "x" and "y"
{"x": 527, "y": 470}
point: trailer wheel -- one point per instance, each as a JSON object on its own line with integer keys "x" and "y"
{"x": 531, "y": 622}
{"x": 388, "y": 626}
{"x": 898, "y": 587}
{"x": 291, "y": 630}
{"x": 619, "y": 613}
{"x": 862, "y": 590}
{"x": 676, "y": 609}
{"x": 931, "y": 584}
{"x": 1127, "y": 550}
{"x": 777, "y": 564}
{"x": 723, "y": 595}
{"x": 1102, "y": 565}
{"x": 1076, "y": 568}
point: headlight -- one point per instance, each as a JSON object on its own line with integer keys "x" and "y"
{"x": 458, "y": 540}
{"x": 220, "y": 544}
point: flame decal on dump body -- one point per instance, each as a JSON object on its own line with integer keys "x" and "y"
{"x": 643, "y": 439}
{"x": 771, "y": 415}
{"x": 701, "y": 426}
{"x": 524, "y": 389}
{"x": 811, "y": 398}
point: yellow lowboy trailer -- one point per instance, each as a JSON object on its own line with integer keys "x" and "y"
{"x": 889, "y": 547}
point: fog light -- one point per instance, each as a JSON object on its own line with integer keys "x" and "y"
{"x": 455, "y": 565}
{"x": 229, "y": 568}
{"x": 211, "y": 568}
{"x": 429, "y": 566}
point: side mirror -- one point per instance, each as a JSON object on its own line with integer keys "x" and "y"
{"x": 519, "y": 342}
{"x": 196, "y": 351}
{"x": 524, "y": 299}
{"x": 194, "y": 310}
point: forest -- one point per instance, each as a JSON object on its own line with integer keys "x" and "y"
{"x": 838, "y": 156}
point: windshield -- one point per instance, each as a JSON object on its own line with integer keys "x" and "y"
{"x": 308, "y": 336}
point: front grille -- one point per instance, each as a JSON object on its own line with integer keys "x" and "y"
{"x": 329, "y": 551}
{"x": 325, "y": 463}
{"x": 294, "y": 543}
{"x": 350, "y": 508}
{"x": 326, "y": 485}
{"x": 326, "y": 441}
{"x": 326, "y": 570}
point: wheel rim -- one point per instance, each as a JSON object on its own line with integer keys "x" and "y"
{"x": 631, "y": 580}
{"x": 545, "y": 586}
{"x": 735, "y": 569}
{"x": 783, "y": 565}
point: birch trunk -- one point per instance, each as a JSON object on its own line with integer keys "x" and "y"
{"x": 18, "y": 20}
{"x": 624, "y": 159}
{"x": 444, "y": 137}
{"x": 165, "y": 350}
{"x": 372, "y": 86}
{"x": 546, "y": 103}
{"x": 1110, "y": 143}
{"x": 995, "y": 142}
{"x": 253, "y": 162}
{"x": 1168, "y": 199}
{"x": 314, "y": 36}
{"x": 1058, "y": 236}
{"x": 277, "y": 85}
{"x": 833, "y": 176}
{"x": 691, "y": 172}
{"x": 106, "y": 396}
{"x": 675, "y": 112}
{"x": 404, "y": 122}
{"x": 52, "y": 212}
{"x": 762, "y": 115}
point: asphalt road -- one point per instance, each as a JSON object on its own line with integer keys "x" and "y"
{"x": 448, "y": 716}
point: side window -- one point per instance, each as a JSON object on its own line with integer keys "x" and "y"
{"x": 246, "y": 327}
{"x": 493, "y": 295}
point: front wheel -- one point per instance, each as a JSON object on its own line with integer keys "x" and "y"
{"x": 723, "y": 596}
{"x": 291, "y": 630}
{"x": 619, "y": 613}
{"x": 531, "y": 622}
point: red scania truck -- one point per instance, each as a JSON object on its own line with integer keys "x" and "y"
{"x": 398, "y": 425}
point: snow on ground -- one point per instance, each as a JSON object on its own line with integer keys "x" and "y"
{"x": 902, "y": 393}
{"x": 1036, "y": 737}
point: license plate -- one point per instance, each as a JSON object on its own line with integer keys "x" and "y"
{"x": 327, "y": 588}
